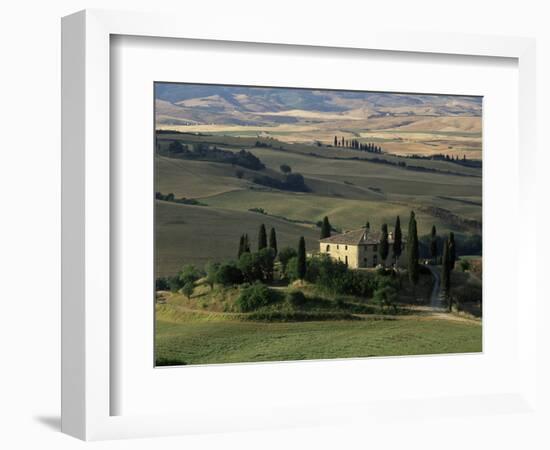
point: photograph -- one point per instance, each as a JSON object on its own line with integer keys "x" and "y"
{"x": 312, "y": 224}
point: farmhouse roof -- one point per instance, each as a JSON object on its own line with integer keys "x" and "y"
{"x": 361, "y": 236}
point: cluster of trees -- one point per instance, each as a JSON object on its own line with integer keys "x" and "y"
{"x": 464, "y": 161}
{"x": 431, "y": 245}
{"x": 447, "y": 265}
{"x": 291, "y": 182}
{"x": 172, "y": 198}
{"x": 355, "y": 144}
{"x": 205, "y": 152}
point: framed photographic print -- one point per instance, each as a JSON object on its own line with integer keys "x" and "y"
{"x": 238, "y": 240}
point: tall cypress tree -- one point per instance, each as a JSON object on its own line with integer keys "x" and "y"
{"x": 325, "y": 228}
{"x": 446, "y": 273}
{"x": 302, "y": 258}
{"x": 273, "y": 240}
{"x": 452, "y": 250}
{"x": 383, "y": 248}
{"x": 335, "y": 141}
{"x": 412, "y": 250}
{"x": 397, "y": 240}
{"x": 246, "y": 244}
{"x": 262, "y": 237}
{"x": 241, "y": 246}
{"x": 433, "y": 244}
{"x": 367, "y": 226}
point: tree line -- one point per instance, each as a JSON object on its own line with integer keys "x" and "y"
{"x": 356, "y": 145}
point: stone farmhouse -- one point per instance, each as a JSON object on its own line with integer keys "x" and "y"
{"x": 359, "y": 249}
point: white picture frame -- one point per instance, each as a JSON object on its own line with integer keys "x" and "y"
{"x": 87, "y": 386}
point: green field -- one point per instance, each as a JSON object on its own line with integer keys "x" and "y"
{"x": 204, "y": 341}
{"x": 197, "y": 234}
{"x": 350, "y": 192}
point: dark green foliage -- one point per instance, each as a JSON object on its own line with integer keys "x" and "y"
{"x": 285, "y": 255}
{"x": 266, "y": 260}
{"x": 293, "y": 182}
{"x": 228, "y": 274}
{"x": 249, "y": 265}
{"x": 172, "y": 198}
{"x": 204, "y": 152}
{"x": 291, "y": 269}
{"x": 302, "y": 264}
{"x": 257, "y": 266}
{"x": 262, "y": 237}
{"x": 446, "y": 273}
{"x": 174, "y": 284}
{"x": 384, "y": 246}
{"x": 367, "y": 226}
{"x": 246, "y": 244}
{"x": 187, "y": 289}
{"x": 273, "y": 240}
{"x": 433, "y": 243}
{"x": 176, "y": 147}
{"x": 334, "y": 277}
{"x": 296, "y": 298}
{"x": 162, "y": 284}
{"x": 412, "y": 251}
{"x": 325, "y": 228}
{"x": 285, "y": 168}
{"x": 452, "y": 250}
{"x": 189, "y": 274}
{"x": 211, "y": 270}
{"x": 397, "y": 239}
{"x": 241, "y": 246}
{"x": 386, "y": 296}
{"x": 239, "y": 174}
{"x": 253, "y": 297}
{"x": 465, "y": 265}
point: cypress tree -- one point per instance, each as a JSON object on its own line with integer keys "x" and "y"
{"x": 302, "y": 258}
{"x": 262, "y": 237}
{"x": 412, "y": 250}
{"x": 452, "y": 251}
{"x": 273, "y": 240}
{"x": 433, "y": 244}
{"x": 383, "y": 248}
{"x": 335, "y": 141}
{"x": 397, "y": 240}
{"x": 446, "y": 273}
{"x": 325, "y": 228}
{"x": 246, "y": 244}
{"x": 367, "y": 226}
{"x": 241, "y": 246}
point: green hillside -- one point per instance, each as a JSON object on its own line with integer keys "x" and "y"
{"x": 198, "y": 234}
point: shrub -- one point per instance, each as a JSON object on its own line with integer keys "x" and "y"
{"x": 174, "y": 284}
{"x": 285, "y": 255}
{"x": 188, "y": 289}
{"x": 266, "y": 260}
{"x": 465, "y": 265}
{"x": 386, "y": 297}
{"x": 250, "y": 266}
{"x": 253, "y": 297}
{"x": 291, "y": 269}
{"x": 162, "y": 284}
{"x": 229, "y": 274}
{"x": 189, "y": 274}
{"x": 211, "y": 270}
{"x": 296, "y": 298}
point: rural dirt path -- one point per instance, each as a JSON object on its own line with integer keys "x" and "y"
{"x": 436, "y": 301}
